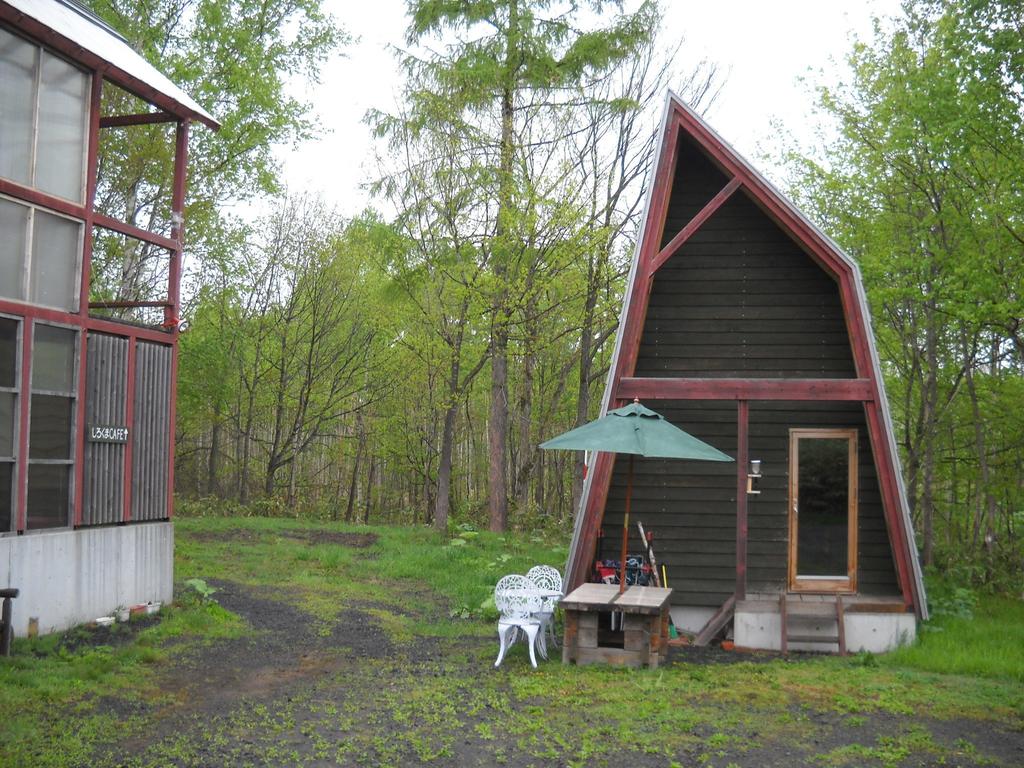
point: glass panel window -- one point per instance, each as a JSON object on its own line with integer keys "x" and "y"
{"x": 8, "y": 412}
{"x": 49, "y": 493}
{"x": 55, "y": 250}
{"x": 50, "y": 431}
{"x": 6, "y": 495}
{"x": 53, "y": 359}
{"x": 60, "y": 160}
{"x": 13, "y": 239}
{"x": 17, "y": 106}
{"x": 56, "y": 246}
{"x": 8, "y": 352}
{"x": 824, "y": 504}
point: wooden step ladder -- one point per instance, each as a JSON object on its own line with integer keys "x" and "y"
{"x": 801, "y": 612}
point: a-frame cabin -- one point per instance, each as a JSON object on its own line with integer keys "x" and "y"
{"x": 748, "y": 327}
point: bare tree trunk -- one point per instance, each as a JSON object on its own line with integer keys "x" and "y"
{"x": 360, "y": 446}
{"x": 444, "y": 470}
{"x": 213, "y": 462}
{"x": 369, "y": 491}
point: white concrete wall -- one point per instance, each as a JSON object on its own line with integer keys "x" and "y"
{"x": 874, "y": 632}
{"x": 691, "y": 619}
{"x": 71, "y": 577}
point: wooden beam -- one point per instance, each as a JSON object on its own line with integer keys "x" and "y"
{"x": 742, "y": 457}
{"x": 744, "y": 389}
{"x": 694, "y": 224}
{"x": 41, "y": 199}
{"x": 140, "y": 118}
{"x": 716, "y": 622}
{"x": 138, "y": 233}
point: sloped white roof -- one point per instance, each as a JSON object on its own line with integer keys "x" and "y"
{"x": 130, "y": 70}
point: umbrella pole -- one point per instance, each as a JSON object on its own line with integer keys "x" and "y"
{"x": 625, "y": 526}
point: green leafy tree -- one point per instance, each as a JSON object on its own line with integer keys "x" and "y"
{"x": 515, "y": 62}
{"x": 236, "y": 58}
{"x": 924, "y": 186}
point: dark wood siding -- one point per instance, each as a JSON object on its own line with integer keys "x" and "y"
{"x": 691, "y": 506}
{"x": 740, "y": 298}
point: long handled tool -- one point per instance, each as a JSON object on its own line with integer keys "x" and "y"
{"x": 659, "y": 581}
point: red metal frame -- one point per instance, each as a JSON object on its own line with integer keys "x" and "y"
{"x": 865, "y": 388}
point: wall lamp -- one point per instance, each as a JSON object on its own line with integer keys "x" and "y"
{"x": 752, "y": 476}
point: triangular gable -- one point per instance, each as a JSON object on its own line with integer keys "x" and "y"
{"x": 655, "y": 246}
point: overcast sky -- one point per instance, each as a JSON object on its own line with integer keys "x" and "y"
{"x": 761, "y": 48}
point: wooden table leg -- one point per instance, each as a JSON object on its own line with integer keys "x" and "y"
{"x": 571, "y": 636}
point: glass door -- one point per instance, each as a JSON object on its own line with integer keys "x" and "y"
{"x": 823, "y": 510}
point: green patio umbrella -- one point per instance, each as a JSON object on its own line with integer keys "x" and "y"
{"x": 637, "y": 431}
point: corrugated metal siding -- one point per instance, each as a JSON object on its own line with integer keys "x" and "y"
{"x": 105, "y": 401}
{"x": 151, "y": 431}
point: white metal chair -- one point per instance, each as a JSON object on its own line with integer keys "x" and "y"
{"x": 549, "y": 582}
{"x": 518, "y": 601}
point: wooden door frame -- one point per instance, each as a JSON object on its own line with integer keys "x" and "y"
{"x": 838, "y": 584}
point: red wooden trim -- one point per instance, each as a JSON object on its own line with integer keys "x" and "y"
{"x": 742, "y": 462}
{"x": 41, "y": 199}
{"x": 695, "y": 223}
{"x": 101, "y": 220}
{"x": 745, "y": 389}
{"x": 125, "y": 304}
{"x": 891, "y": 507}
{"x": 91, "y": 323}
{"x": 129, "y": 419}
{"x": 173, "y": 311}
{"x": 141, "y": 118}
{"x": 83, "y": 299}
{"x": 25, "y": 398}
{"x": 131, "y": 331}
{"x": 43, "y": 34}
{"x": 630, "y": 332}
{"x": 39, "y": 313}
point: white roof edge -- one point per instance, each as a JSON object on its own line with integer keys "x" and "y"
{"x": 631, "y": 280}
{"x": 672, "y": 99}
{"x": 95, "y": 37}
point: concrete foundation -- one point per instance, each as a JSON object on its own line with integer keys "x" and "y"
{"x": 690, "y": 619}
{"x": 71, "y": 577}
{"x": 873, "y": 632}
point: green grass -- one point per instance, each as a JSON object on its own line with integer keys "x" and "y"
{"x": 415, "y": 583}
{"x": 988, "y": 644}
{"x": 435, "y": 578}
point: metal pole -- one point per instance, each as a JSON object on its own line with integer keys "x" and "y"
{"x": 625, "y": 526}
{"x": 7, "y": 621}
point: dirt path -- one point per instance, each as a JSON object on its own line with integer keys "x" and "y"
{"x": 299, "y": 692}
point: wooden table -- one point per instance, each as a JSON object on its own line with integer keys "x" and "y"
{"x": 644, "y": 630}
